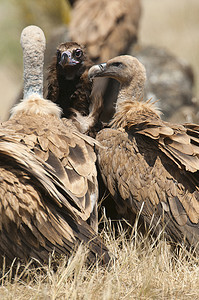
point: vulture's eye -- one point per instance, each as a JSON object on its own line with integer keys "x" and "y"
{"x": 58, "y": 55}
{"x": 117, "y": 64}
{"x": 78, "y": 53}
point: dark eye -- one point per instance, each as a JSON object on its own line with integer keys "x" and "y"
{"x": 58, "y": 55}
{"x": 117, "y": 64}
{"x": 78, "y": 53}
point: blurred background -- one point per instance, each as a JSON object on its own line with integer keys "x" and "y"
{"x": 173, "y": 25}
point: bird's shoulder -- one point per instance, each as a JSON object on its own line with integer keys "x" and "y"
{"x": 180, "y": 143}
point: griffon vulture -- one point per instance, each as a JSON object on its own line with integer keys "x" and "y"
{"x": 48, "y": 185}
{"x": 149, "y": 166}
{"x": 69, "y": 87}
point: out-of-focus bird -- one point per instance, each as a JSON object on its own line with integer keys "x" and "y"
{"x": 107, "y": 28}
{"x": 149, "y": 166}
{"x": 48, "y": 185}
{"x": 68, "y": 86}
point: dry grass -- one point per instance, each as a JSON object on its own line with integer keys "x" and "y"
{"x": 139, "y": 270}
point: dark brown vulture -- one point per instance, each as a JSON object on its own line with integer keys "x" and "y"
{"x": 149, "y": 166}
{"x": 48, "y": 185}
{"x": 70, "y": 88}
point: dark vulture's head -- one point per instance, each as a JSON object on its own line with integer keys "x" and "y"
{"x": 70, "y": 58}
{"x": 123, "y": 68}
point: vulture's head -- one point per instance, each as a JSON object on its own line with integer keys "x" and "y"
{"x": 70, "y": 58}
{"x": 124, "y": 68}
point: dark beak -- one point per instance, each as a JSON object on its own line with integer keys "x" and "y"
{"x": 64, "y": 60}
{"x": 67, "y": 59}
{"x": 96, "y": 71}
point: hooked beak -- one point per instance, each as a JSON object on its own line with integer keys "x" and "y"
{"x": 67, "y": 59}
{"x": 96, "y": 71}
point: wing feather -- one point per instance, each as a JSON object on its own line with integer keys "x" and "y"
{"x": 140, "y": 176}
{"x": 181, "y": 144}
{"x": 68, "y": 152}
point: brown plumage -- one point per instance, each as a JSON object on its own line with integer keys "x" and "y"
{"x": 70, "y": 88}
{"x": 149, "y": 166}
{"x": 48, "y": 185}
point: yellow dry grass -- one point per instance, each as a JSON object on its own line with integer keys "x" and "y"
{"x": 141, "y": 269}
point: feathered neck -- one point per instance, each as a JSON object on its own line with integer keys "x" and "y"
{"x": 134, "y": 112}
{"x": 33, "y": 43}
{"x": 131, "y": 89}
{"x": 130, "y": 107}
{"x": 34, "y": 105}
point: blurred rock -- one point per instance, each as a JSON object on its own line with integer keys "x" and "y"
{"x": 187, "y": 113}
{"x": 170, "y": 81}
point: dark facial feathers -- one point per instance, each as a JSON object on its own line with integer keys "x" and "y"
{"x": 69, "y": 85}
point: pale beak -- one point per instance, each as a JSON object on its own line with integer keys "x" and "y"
{"x": 96, "y": 71}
